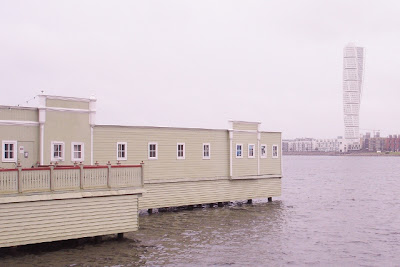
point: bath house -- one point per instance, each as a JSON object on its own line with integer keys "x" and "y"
{"x": 182, "y": 166}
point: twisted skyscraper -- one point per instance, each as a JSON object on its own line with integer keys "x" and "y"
{"x": 353, "y": 69}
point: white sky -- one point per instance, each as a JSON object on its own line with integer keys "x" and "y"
{"x": 200, "y": 63}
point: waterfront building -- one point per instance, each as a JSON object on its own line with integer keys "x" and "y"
{"x": 298, "y": 145}
{"x": 353, "y": 70}
{"x": 182, "y": 166}
{"x": 311, "y": 144}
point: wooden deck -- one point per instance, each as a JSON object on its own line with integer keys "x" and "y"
{"x": 56, "y": 203}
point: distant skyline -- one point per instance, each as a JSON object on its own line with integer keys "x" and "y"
{"x": 201, "y": 63}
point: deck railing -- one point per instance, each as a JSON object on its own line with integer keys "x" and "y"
{"x": 79, "y": 177}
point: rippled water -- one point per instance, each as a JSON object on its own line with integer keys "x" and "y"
{"x": 333, "y": 211}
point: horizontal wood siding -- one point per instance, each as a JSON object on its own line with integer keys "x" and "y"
{"x": 18, "y": 114}
{"x": 21, "y": 134}
{"x": 43, "y": 221}
{"x": 167, "y": 166}
{"x": 66, "y": 127}
{"x": 245, "y": 126}
{"x": 67, "y": 104}
{"x": 271, "y": 165}
{"x": 201, "y": 192}
{"x": 244, "y": 166}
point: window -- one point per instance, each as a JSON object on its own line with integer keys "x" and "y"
{"x": 180, "y": 150}
{"x": 239, "y": 151}
{"x": 250, "y": 153}
{"x": 57, "y": 151}
{"x": 77, "y": 151}
{"x": 206, "y": 151}
{"x": 122, "y": 148}
{"x": 275, "y": 151}
{"x": 263, "y": 151}
{"x": 9, "y": 151}
{"x": 153, "y": 150}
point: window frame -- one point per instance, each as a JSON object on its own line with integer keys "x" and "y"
{"x": 241, "y": 151}
{"x": 263, "y": 155}
{"x": 183, "y": 151}
{"x": 248, "y": 151}
{"x": 15, "y": 151}
{"x": 277, "y": 152}
{"x": 82, "y": 158}
{"x": 125, "y": 150}
{"x": 209, "y": 151}
{"x": 148, "y": 150}
{"x": 62, "y": 158}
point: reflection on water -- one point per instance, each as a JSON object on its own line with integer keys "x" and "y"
{"x": 334, "y": 210}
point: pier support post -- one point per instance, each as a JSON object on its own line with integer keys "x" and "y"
{"x": 270, "y": 199}
{"x": 120, "y": 236}
{"x": 249, "y": 201}
{"x": 150, "y": 211}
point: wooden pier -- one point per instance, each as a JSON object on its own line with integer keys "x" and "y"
{"x": 57, "y": 203}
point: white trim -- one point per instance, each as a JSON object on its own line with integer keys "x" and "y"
{"x": 68, "y": 98}
{"x": 148, "y": 150}
{"x": 236, "y": 150}
{"x": 91, "y": 145}
{"x": 265, "y": 152}
{"x": 245, "y": 131}
{"x": 248, "y": 151}
{"x": 15, "y": 151}
{"x": 62, "y": 151}
{"x": 82, "y": 158}
{"x": 177, "y": 150}
{"x": 209, "y": 151}
{"x": 22, "y": 123}
{"x": 78, "y": 110}
{"x": 41, "y": 144}
{"x": 258, "y": 150}
{"x": 230, "y": 153}
{"x": 277, "y": 151}
{"x": 246, "y": 122}
{"x": 125, "y": 150}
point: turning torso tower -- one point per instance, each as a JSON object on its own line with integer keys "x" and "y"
{"x": 353, "y": 68}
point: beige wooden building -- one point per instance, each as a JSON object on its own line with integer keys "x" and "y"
{"x": 182, "y": 166}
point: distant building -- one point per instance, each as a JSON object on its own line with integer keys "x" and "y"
{"x": 311, "y": 144}
{"x": 353, "y": 68}
{"x": 298, "y": 145}
{"x": 392, "y": 143}
{"x": 377, "y": 143}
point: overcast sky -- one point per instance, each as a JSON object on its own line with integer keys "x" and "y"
{"x": 201, "y": 63}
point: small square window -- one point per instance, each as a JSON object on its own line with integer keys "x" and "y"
{"x": 180, "y": 150}
{"x": 153, "y": 150}
{"x": 239, "y": 151}
{"x": 9, "y": 151}
{"x": 251, "y": 152}
{"x": 206, "y": 151}
{"x": 122, "y": 150}
{"x": 275, "y": 151}
{"x": 263, "y": 151}
{"x": 77, "y": 151}
{"x": 57, "y": 151}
